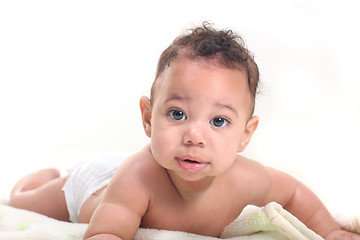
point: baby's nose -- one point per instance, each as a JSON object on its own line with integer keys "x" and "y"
{"x": 195, "y": 135}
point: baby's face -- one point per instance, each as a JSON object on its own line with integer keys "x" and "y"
{"x": 199, "y": 118}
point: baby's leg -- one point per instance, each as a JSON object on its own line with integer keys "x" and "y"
{"x": 41, "y": 192}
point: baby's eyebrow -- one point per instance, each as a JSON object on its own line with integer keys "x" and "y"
{"x": 175, "y": 97}
{"x": 231, "y": 108}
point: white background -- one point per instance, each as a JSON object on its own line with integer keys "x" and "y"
{"x": 72, "y": 73}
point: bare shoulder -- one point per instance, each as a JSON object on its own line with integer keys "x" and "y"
{"x": 264, "y": 184}
{"x": 126, "y": 199}
{"x": 283, "y": 187}
{"x": 251, "y": 170}
{"x": 135, "y": 172}
{"x": 251, "y": 178}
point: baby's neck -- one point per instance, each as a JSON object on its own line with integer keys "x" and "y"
{"x": 189, "y": 190}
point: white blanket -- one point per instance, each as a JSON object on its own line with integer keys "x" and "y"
{"x": 270, "y": 222}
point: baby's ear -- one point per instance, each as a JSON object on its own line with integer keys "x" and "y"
{"x": 145, "y": 107}
{"x": 248, "y": 132}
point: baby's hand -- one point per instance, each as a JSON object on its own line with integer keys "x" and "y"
{"x": 342, "y": 235}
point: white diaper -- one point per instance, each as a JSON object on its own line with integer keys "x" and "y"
{"x": 87, "y": 177}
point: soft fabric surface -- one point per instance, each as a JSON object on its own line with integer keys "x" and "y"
{"x": 270, "y": 222}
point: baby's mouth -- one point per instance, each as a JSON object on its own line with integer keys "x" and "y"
{"x": 191, "y": 164}
{"x": 190, "y": 161}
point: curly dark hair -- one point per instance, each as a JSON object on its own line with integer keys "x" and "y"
{"x": 225, "y": 47}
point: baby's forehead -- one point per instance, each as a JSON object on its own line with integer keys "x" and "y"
{"x": 180, "y": 76}
{"x": 182, "y": 65}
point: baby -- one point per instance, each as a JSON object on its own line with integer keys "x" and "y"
{"x": 190, "y": 177}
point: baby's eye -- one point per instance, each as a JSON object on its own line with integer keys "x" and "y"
{"x": 219, "y": 122}
{"x": 177, "y": 115}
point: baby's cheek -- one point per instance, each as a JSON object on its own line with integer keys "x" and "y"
{"x": 162, "y": 141}
{"x": 227, "y": 150}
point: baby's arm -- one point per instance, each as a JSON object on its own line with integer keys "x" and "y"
{"x": 305, "y": 205}
{"x": 112, "y": 221}
{"x": 118, "y": 216}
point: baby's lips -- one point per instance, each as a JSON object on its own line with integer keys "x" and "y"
{"x": 191, "y": 165}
